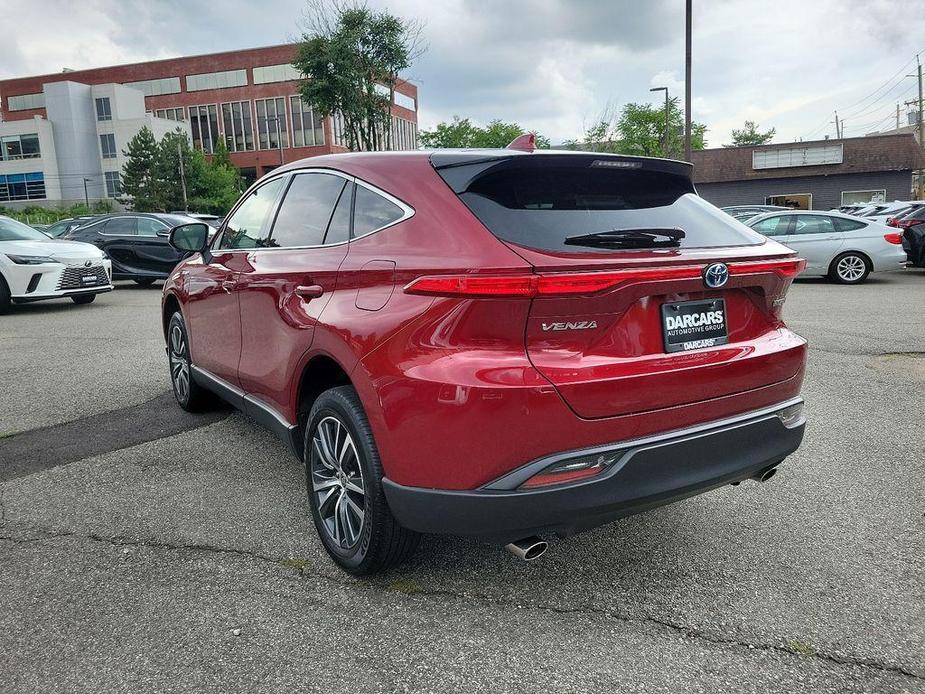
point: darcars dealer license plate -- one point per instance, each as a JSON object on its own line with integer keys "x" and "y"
{"x": 694, "y": 325}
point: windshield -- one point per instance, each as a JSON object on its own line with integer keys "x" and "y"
{"x": 541, "y": 202}
{"x": 11, "y": 230}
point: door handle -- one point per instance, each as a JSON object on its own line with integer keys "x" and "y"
{"x": 310, "y": 291}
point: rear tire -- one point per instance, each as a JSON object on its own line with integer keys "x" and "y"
{"x": 850, "y": 268}
{"x": 191, "y": 396}
{"x": 344, "y": 480}
{"x": 5, "y": 302}
{"x": 145, "y": 281}
{"x": 85, "y": 299}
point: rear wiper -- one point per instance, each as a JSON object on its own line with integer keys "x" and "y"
{"x": 643, "y": 237}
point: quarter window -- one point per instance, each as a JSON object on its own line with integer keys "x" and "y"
{"x": 245, "y": 228}
{"x": 306, "y": 210}
{"x": 842, "y": 224}
{"x": 372, "y": 211}
{"x": 103, "y": 109}
{"x": 339, "y": 228}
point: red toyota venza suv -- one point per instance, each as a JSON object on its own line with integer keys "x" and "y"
{"x": 499, "y": 343}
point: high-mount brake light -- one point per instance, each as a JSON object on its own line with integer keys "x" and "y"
{"x": 529, "y": 286}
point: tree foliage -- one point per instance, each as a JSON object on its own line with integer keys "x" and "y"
{"x": 640, "y": 129}
{"x": 354, "y": 56}
{"x": 750, "y": 135}
{"x": 461, "y": 132}
{"x": 151, "y": 177}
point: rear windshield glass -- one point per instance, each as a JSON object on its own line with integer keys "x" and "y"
{"x": 539, "y": 201}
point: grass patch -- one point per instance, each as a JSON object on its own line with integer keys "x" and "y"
{"x": 7, "y": 434}
{"x": 404, "y": 585}
{"x": 801, "y": 648}
{"x": 297, "y": 564}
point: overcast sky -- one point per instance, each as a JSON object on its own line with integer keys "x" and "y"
{"x": 550, "y": 65}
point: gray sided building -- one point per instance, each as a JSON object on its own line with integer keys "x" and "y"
{"x": 816, "y": 175}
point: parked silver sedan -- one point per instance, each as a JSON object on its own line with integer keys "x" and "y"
{"x": 844, "y": 248}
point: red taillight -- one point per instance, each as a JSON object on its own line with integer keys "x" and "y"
{"x": 573, "y": 469}
{"x": 785, "y": 268}
{"x": 895, "y": 237}
{"x": 529, "y": 286}
{"x": 906, "y": 223}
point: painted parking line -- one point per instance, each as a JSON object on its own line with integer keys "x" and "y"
{"x": 41, "y": 449}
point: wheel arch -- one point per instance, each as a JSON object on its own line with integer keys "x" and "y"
{"x": 170, "y": 306}
{"x": 320, "y": 373}
{"x": 854, "y": 251}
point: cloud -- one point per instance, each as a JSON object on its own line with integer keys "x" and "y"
{"x": 550, "y": 65}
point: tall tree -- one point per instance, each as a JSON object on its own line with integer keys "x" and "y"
{"x": 461, "y": 132}
{"x": 139, "y": 177}
{"x": 750, "y": 135}
{"x": 640, "y": 129}
{"x": 354, "y": 56}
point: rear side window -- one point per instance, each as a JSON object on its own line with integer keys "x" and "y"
{"x": 306, "y": 210}
{"x": 372, "y": 211}
{"x": 339, "y": 228}
{"x": 122, "y": 226}
{"x": 847, "y": 224}
{"x": 813, "y": 224}
{"x": 540, "y": 200}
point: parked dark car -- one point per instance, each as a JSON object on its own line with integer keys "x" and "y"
{"x": 914, "y": 244}
{"x": 135, "y": 242}
{"x": 65, "y": 226}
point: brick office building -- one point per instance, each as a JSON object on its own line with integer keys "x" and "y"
{"x": 247, "y": 97}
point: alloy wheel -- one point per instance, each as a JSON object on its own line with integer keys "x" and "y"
{"x": 337, "y": 482}
{"x": 851, "y": 268}
{"x": 179, "y": 362}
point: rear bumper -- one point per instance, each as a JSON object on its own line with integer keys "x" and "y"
{"x": 650, "y": 472}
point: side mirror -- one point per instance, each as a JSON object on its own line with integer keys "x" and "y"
{"x": 189, "y": 238}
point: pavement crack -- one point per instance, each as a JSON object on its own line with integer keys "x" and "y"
{"x": 413, "y": 592}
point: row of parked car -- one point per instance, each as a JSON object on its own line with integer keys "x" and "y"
{"x": 846, "y": 244}
{"x": 79, "y": 258}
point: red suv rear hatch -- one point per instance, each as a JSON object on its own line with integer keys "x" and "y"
{"x": 621, "y": 318}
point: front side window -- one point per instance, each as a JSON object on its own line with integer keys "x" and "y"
{"x": 148, "y": 226}
{"x": 372, "y": 211}
{"x": 246, "y": 227}
{"x": 306, "y": 210}
{"x": 813, "y": 224}
{"x": 103, "y": 109}
{"x": 108, "y": 146}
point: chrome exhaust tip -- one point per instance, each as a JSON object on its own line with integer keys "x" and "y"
{"x": 529, "y": 548}
{"x": 765, "y": 474}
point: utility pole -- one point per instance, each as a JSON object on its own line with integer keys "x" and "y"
{"x": 665, "y": 151}
{"x": 897, "y": 116}
{"x": 687, "y": 80}
{"x": 921, "y": 128}
{"x": 837, "y": 127}
{"x": 182, "y": 178}
{"x": 86, "y": 196}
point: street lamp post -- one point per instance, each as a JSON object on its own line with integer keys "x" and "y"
{"x": 665, "y": 151}
{"x": 86, "y": 195}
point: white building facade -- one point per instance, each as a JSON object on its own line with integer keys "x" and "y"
{"x": 76, "y": 153}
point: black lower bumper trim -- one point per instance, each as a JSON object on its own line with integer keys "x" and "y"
{"x": 646, "y": 476}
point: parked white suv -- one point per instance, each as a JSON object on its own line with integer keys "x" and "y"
{"x": 34, "y": 267}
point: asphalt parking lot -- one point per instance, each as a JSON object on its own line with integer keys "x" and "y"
{"x": 143, "y": 550}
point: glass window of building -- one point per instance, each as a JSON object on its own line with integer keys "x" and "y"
{"x": 307, "y": 126}
{"x": 271, "y": 123}
{"x": 103, "y": 109}
{"x": 113, "y": 184}
{"x": 204, "y": 125}
{"x": 108, "y": 146}
{"x": 171, "y": 113}
{"x": 19, "y": 147}
{"x": 28, "y": 186}
{"x": 239, "y": 128}
{"x": 216, "y": 80}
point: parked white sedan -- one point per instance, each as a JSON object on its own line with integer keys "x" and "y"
{"x": 34, "y": 267}
{"x": 842, "y": 247}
